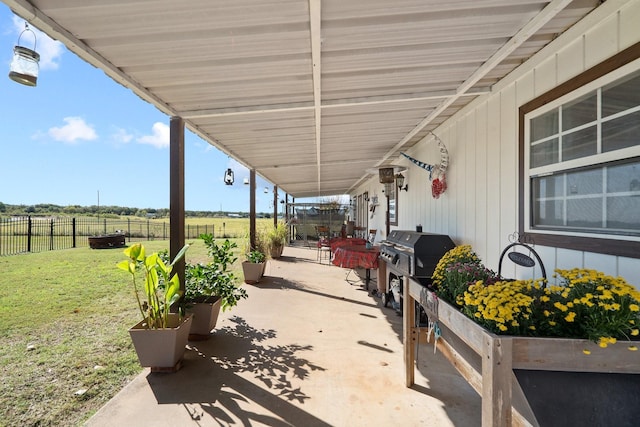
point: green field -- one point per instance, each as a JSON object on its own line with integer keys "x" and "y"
{"x": 64, "y": 317}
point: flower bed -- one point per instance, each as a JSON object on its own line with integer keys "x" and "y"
{"x": 538, "y": 354}
{"x": 530, "y": 380}
{"x": 586, "y": 304}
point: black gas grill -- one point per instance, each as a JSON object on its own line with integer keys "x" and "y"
{"x": 413, "y": 254}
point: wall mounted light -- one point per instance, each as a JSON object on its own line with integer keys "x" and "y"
{"x": 24, "y": 65}
{"x": 228, "y": 177}
{"x": 400, "y": 182}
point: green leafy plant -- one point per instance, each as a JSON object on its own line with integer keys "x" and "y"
{"x": 277, "y": 236}
{"x": 214, "y": 279}
{"x": 255, "y": 256}
{"x": 160, "y": 288}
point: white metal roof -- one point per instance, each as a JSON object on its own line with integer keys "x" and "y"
{"x": 309, "y": 93}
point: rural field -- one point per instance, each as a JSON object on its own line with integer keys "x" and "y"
{"x": 64, "y": 316}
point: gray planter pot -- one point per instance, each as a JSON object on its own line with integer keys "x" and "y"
{"x": 161, "y": 348}
{"x": 205, "y": 316}
{"x": 252, "y": 271}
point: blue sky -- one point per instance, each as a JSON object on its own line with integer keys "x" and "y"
{"x": 79, "y": 135}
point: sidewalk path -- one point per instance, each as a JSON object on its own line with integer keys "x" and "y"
{"x": 305, "y": 349}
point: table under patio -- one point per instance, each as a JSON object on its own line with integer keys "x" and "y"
{"x": 305, "y": 349}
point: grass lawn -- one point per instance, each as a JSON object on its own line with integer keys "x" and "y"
{"x": 64, "y": 320}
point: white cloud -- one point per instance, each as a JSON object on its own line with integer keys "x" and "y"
{"x": 121, "y": 136}
{"x": 50, "y": 50}
{"x": 76, "y": 129}
{"x": 159, "y": 137}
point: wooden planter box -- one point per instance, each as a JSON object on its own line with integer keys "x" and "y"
{"x": 530, "y": 381}
{"x": 107, "y": 241}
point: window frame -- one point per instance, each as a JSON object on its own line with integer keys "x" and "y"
{"x": 627, "y": 246}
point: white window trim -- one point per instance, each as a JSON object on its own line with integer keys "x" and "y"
{"x": 576, "y": 163}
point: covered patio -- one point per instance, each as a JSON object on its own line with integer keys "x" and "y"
{"x": 316, "y": 96}
{"x": 305, "y": 349}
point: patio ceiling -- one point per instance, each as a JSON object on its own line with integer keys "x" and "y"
{"x": 309, "y": 93}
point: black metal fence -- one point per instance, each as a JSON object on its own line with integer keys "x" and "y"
{"x": 39, "y": 234}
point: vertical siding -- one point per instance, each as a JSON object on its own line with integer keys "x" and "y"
{"x": 481, "y": 203}
{"x": 480, "y": 179}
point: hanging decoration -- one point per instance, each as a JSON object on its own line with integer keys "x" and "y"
{"x": 437, "y": 174}
{"x": 24, "y": 66}
{"x": 228, "y": 177}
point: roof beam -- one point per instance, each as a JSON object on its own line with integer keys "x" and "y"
{"x": 316, "y": 45}
{"x": 347, "y": 102}
{"x": 528, "y": 30}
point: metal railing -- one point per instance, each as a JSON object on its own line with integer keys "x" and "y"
{"x": 22, "y": 234}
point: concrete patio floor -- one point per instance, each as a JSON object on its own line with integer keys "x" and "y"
{"x": 305, "y": 349}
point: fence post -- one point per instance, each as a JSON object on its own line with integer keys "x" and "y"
{"x": 29, "y": 233}
{"x": 73, "y": 231}
{"x": 148, "y": 228}
{"x": 129, "y": 228}
{"x": 51, "y": 235}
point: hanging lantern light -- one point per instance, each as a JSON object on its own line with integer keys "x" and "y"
{"x": 24, "y": 65}
{"x": 228, "y": 177}
{"x": 246, "y": 181}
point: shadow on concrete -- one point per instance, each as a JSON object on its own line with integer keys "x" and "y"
{"x": 212, "y": 381}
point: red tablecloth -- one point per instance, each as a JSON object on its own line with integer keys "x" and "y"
{"x": 338, "y": 242}
{"x": 356, "y": 256}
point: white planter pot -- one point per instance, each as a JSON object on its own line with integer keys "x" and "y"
{"x": 161, "y": 348}
{"x": 252, "y": 271}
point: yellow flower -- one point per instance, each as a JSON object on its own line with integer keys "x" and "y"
{"x": 587, "y": 352}
{"x": 570, "y": 317}
{"x": 502, "y": 327}
{"x": 632, "y": 348}
{"x": 545, "y": 298}
{"x": 634, "y": 332}
{"x": 602, "y": 344}
{"x": 560, "y": 306}
{"x": 552, "y": 323}
{"x": 634, "y": 307}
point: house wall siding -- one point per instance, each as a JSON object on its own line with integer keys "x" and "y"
{"x": 480, "y": 206}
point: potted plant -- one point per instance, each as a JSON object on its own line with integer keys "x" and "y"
{"x": 210, "y": 287}
{"x": 160, "y": 337}
{"x": 276, "y": 239}
{"x": 253, "y": 267}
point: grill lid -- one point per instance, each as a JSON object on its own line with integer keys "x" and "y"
{"x": 426, "y": 249}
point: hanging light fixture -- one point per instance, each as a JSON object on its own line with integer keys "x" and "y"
{"x": 246, "y": 181}
{"x": 24, "y": 65}
{"x": 266, "y": 190}
{"x": 400, "y": 182}
{"x": 228, "y": 177}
